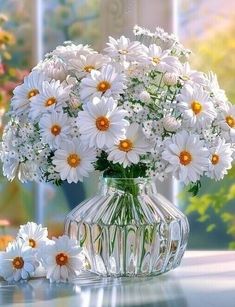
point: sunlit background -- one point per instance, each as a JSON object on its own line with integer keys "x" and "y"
{"x": 31, "y": 28}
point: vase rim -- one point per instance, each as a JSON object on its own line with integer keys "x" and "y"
{"x": 126, "y": 178}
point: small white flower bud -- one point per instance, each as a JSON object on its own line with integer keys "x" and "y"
{"x": 144, "y": 96}
{"x": 170, "y": 124}
{"x": 71, "y": 80}
{"x": 170, "y": 79}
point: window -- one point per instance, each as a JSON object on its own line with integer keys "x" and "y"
{"x": 42, "y": 24}
{"x": 208, "y": 30}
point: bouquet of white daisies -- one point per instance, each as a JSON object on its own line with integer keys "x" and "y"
{"x": 135, "y": 110}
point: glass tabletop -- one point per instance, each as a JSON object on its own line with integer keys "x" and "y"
{"x": 208, "y": 276}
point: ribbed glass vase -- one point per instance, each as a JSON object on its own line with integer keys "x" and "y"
{"x": 129, "y": 229}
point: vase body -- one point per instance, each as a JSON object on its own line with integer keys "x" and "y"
{"x": 129, "y": 229}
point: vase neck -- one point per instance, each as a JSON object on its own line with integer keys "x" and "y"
{"x": 134, "y": 186}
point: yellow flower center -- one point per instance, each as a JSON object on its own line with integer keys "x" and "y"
{"x": 230, "y": 121}
{"x": 185, "y": 78}
{"x": 102, "y": 123}
{"x": 156, "y": 60}
{"x": 61, "y": 259}
{"x": 122, "y": 51}
{"x": 18, "y": 263}
{"x": 196, "y": 107}
{"x": 103, "y": 86}
{"x": 125, "y": 145}
{"x": 50, "y": 101}
{"x": 33, "y": 93}
{"x": 32, "y": 243}
{"x": 185, "y": 157}
{"x": 55, "y": 130}
{"x": 215, "y": 159}
{"x": 73, "y": 160}
{"x": 88, "y": 68}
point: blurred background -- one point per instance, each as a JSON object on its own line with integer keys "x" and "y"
{"x": 31, "y": 28}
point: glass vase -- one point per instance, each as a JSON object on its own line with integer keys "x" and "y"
{"x": 129, "y": 229}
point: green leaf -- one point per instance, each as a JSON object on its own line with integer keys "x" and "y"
{"x": 102, "y": 163}
{"x": 231, "y": 230}
{"x": 194, "y": 187}
{"x": 227, "y": 217}
{"x": 231, "y": 192}
{"x": 199, "y": 204}
{"x": 210, "y": 227}
{"x": 203, "y": 218}
{"x": 58, "y": 182}
{"x": 231, "y": 246}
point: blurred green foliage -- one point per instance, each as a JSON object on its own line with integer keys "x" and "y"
{"x": 214, "y": 207}
{"x": 216, "y": 52}
{"x": 74, "y": 20}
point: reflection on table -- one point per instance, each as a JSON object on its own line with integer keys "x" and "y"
{"x": 208, "y": 277}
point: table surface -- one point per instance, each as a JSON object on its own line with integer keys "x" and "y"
{"x": 204, "y": 279}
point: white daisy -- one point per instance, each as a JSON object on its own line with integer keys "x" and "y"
{"x": 128, "y": 150}
{"x": 10, "y": 166}
{"x": 187, "y": 156}
{"x": 54, "y": 68}
{"x": 63, "y": 259}
{"x": 102, "y": 123}
{"x": 196, "y": 106}
{"x": 220, "y": 160}
{"x": 191, "y": 76}
{"x": 213, "y": 86}
{"x": 53, "y": 96}
{"x": 26, "y": 91}
{"x": 106, "y": 82}
{"x": 33, "y": 235}
{"x": 74, "y": 161}
{"x": 54, "y": 128}
{"x": 85, "y": 64}
{"x": 18, "y": 262}
{"x": 124, "y": 49}
{"x": 71, "y": 51}
{"x": 160, "y": 60}
{"x": 226, "y": 120}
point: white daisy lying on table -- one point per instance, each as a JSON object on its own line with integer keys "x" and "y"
{"x": 33, "y": 235}
{"x": 18, "y": 262}
{"x": 32, "y": 254}
{"x": 62, "y": 259}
